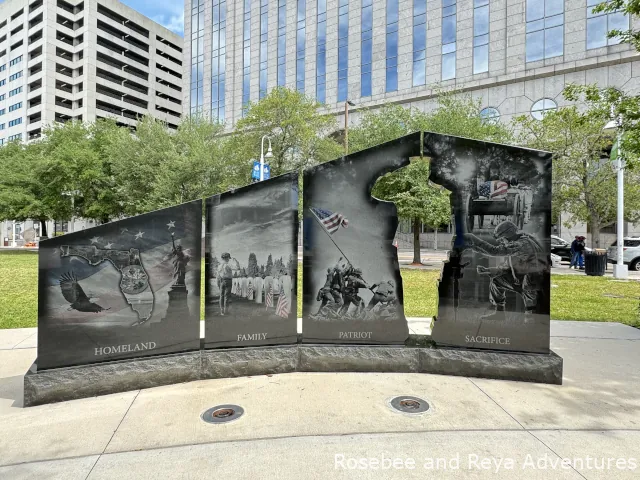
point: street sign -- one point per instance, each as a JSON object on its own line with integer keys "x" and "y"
{"x": 255, "y": 172}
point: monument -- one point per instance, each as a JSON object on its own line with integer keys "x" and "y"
{"x": 351, "y": 276}
{"x": 124, "y": 289}
{"x": 251, "y": 264}
{"x": 494, "y": 292}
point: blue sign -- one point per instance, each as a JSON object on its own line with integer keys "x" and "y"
{"x": 266, "y": 172}
{"x": 255, "y": 172}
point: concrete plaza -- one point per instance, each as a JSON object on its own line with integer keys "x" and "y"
{"x": 316, "y": 425}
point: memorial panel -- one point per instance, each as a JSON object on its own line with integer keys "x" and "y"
{"x": 351, "y": 276}
{"x": 494, "y": 292}
{"x": 251, "y": 264}
{"x": 125, "y": 289}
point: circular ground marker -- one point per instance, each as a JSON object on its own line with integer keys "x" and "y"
{"x": 408, "y": 404}
{"x": 222, "y": 414}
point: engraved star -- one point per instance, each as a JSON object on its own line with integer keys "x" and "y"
{"x": 94, "y": 239}
{"x": 108, "y": 246}
{"x": 139, "y": 234}
{"x": 171, "y": 224}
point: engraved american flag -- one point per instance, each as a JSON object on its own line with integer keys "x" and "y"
{"x": 330, "y": 221}
{"x": 493, "y": 189}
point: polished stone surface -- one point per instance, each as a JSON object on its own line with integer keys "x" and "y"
{"x": 125, "y": 289}
{"x": 251, "y": 295}
{"x": 495, "y": 287}
{"x": 351, "y": 277}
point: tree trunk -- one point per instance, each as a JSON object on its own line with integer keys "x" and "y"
{"x": 416, "y": 242}
{"x": 595, "y": 233}
{"x": 43, "y": 228}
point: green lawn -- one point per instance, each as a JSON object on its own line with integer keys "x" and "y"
{"x": 572, "y": 297}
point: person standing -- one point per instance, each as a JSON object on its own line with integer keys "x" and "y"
{"x": 581, "y": 248}
{"x": 574, "y": 253}
{"x": 225, "y": 280}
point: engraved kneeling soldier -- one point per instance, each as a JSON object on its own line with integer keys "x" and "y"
{"x": 521, "y": 272}
{"x": 225, "y": 280}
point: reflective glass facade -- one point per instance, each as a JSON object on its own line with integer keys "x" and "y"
{"x": 246, "y": 53}
{"x": 264, "y": 55}
{"x": 343, "y": 49}
{"x": 449, "y": 10}
{"x": 480, "y": 36}
{"x": 366, "y": 48}
{"x": 218, "y": 58}
{"x": 301, "y": 32}
{"x": 600, "y": 24}
{"x": 545, "y": 29}
{"x": 282, "y": 43}
{"x": 419, "y": 42}
{"x": 197, "y": 56}
{"x": 321, "y": 54}
{"x": 392, "y": 46}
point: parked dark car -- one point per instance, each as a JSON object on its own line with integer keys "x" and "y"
{"x": 561, "y": 247}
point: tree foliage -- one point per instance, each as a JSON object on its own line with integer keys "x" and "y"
{"x": 630, "y": 8}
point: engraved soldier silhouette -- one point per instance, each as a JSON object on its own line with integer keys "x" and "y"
{"x": 225, "y": 280}
{"x": 521, "y": 272}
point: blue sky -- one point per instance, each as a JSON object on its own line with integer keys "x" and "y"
{"x": 169, "y": 13}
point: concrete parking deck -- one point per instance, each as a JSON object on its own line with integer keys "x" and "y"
{"x": 316, "y": 425}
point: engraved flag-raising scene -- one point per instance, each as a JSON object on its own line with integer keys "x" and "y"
{"x": 251, "y": 264}
{"x": 494, "y": 291}
{"x": 124, "y": 289}
{"x": 351, "y": 276}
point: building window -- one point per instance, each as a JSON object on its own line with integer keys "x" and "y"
{"x": 2, "y": 126}
{"x": 541, "y": 107}
{"x": 16, "y": 60}
{"x": 600, "y": 24}
{"x": 3, "y": 111}
{"x": 343, "y": 50}
{"x": 11, "y": 138}
{"x": 246, "y": 54}
{"x": 392, "y": 46}
{"x": 3, "y": 67}
{"x": 419, "y": 42}
{"x": 321, "y": 55}
{"x": 15, "y": 122}
{"x": 218, "y": 58}
{"x": 1, "y": 141}
{"x": 3, "y": 96}
{"x": 490, "y": 115}
{"x": 14, "y": 107}
{"x": 301, "y": 32}
{"x": 3, "y": 81}
{"x": 264, "y": 26}
{"x": 480, "y": 36}
{"x": 545, "y": 29}
{"x": 366, "y": 48}
{"x": 282, "y": 43}
{"x": 15, "y": 76}
{"x": 449, "y": 10}
{"x": 15, "y": 91}
{"x": 197, "y": 56}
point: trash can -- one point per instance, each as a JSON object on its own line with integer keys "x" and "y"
{"x": 595, "y": 262}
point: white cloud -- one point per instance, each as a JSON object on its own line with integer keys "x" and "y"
{"x": 175, "y": 23}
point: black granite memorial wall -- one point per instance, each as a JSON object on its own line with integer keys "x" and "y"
{"x": 125, "y": 289}
{"x": 252, "y": 264}
{"x": 351, "y": 276}
{"x": 495, "y": 289}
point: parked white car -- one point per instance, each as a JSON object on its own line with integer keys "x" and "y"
{"x": 555, "y": 260}
{"x": 630, "y": 253}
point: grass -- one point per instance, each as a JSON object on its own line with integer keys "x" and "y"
{"x": 573, "y": 297}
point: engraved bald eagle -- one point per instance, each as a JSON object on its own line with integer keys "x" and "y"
{"x": 74, "y": 294}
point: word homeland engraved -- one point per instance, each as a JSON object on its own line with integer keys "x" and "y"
{"x": 351, "y": 276}
{"x": 123, "y": 289}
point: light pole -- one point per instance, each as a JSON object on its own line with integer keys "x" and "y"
{"x": 620, "y": 270}
{"x": 346, "y": 125}
{"x": 71, "y": 194}
{"x": 13, "y": 235}
{"x": 263, "y": 156}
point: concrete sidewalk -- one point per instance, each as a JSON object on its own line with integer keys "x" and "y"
{"x": 316, "y": 425}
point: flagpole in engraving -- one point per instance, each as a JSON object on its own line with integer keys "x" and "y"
{"x": 328, "y": 234}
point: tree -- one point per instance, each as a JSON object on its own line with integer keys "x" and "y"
{"x": 409, "y": 188}
{"x": 299, "y": 131}
{"x": 252, "y": 265}
{"x": 269, "y": 267}
{"x": 584, "y": 180}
